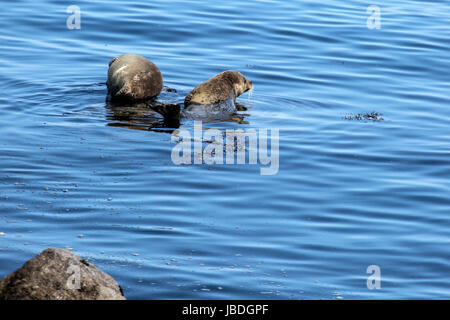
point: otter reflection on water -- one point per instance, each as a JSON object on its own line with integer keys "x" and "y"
{"x": 154, "y": 115}
{"x": 141, "y": 116}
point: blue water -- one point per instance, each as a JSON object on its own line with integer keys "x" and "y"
{"x": 349, "y": 192}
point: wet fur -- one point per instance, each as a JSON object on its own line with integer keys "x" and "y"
{"x": 133, "y": 78}
{"x": 225, "y": 85}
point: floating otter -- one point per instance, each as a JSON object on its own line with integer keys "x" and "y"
{"x": 133, "y": 78}
{"x": 222, "y": 87}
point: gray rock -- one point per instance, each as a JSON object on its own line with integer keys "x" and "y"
{"x": 133, "y": 78}
{"x": 57, "y": 274}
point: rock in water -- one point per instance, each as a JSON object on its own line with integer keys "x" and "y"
{"x": 133, "y": 78}
{"x": 57, "y": 274}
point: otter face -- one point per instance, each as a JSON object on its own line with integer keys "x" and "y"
{"x": 241, "y": 84}
{"x": 248, "y": 85}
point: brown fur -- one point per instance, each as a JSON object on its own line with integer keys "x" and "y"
{"x": 225, "y": 85}
{"x": 133, "y": 78}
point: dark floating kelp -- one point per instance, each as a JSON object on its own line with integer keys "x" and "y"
{"x": 373, "y": 116}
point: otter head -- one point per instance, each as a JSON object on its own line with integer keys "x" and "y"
{"x": 240, "y": 83}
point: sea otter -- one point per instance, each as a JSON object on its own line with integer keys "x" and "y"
{"x": 227, "y": 85}
{"x": 133, "y": 78}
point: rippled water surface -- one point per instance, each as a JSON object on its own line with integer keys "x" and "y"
{"x": 350, "y": 192}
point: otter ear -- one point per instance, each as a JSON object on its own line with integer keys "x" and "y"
{"x": 112, "y": 61}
